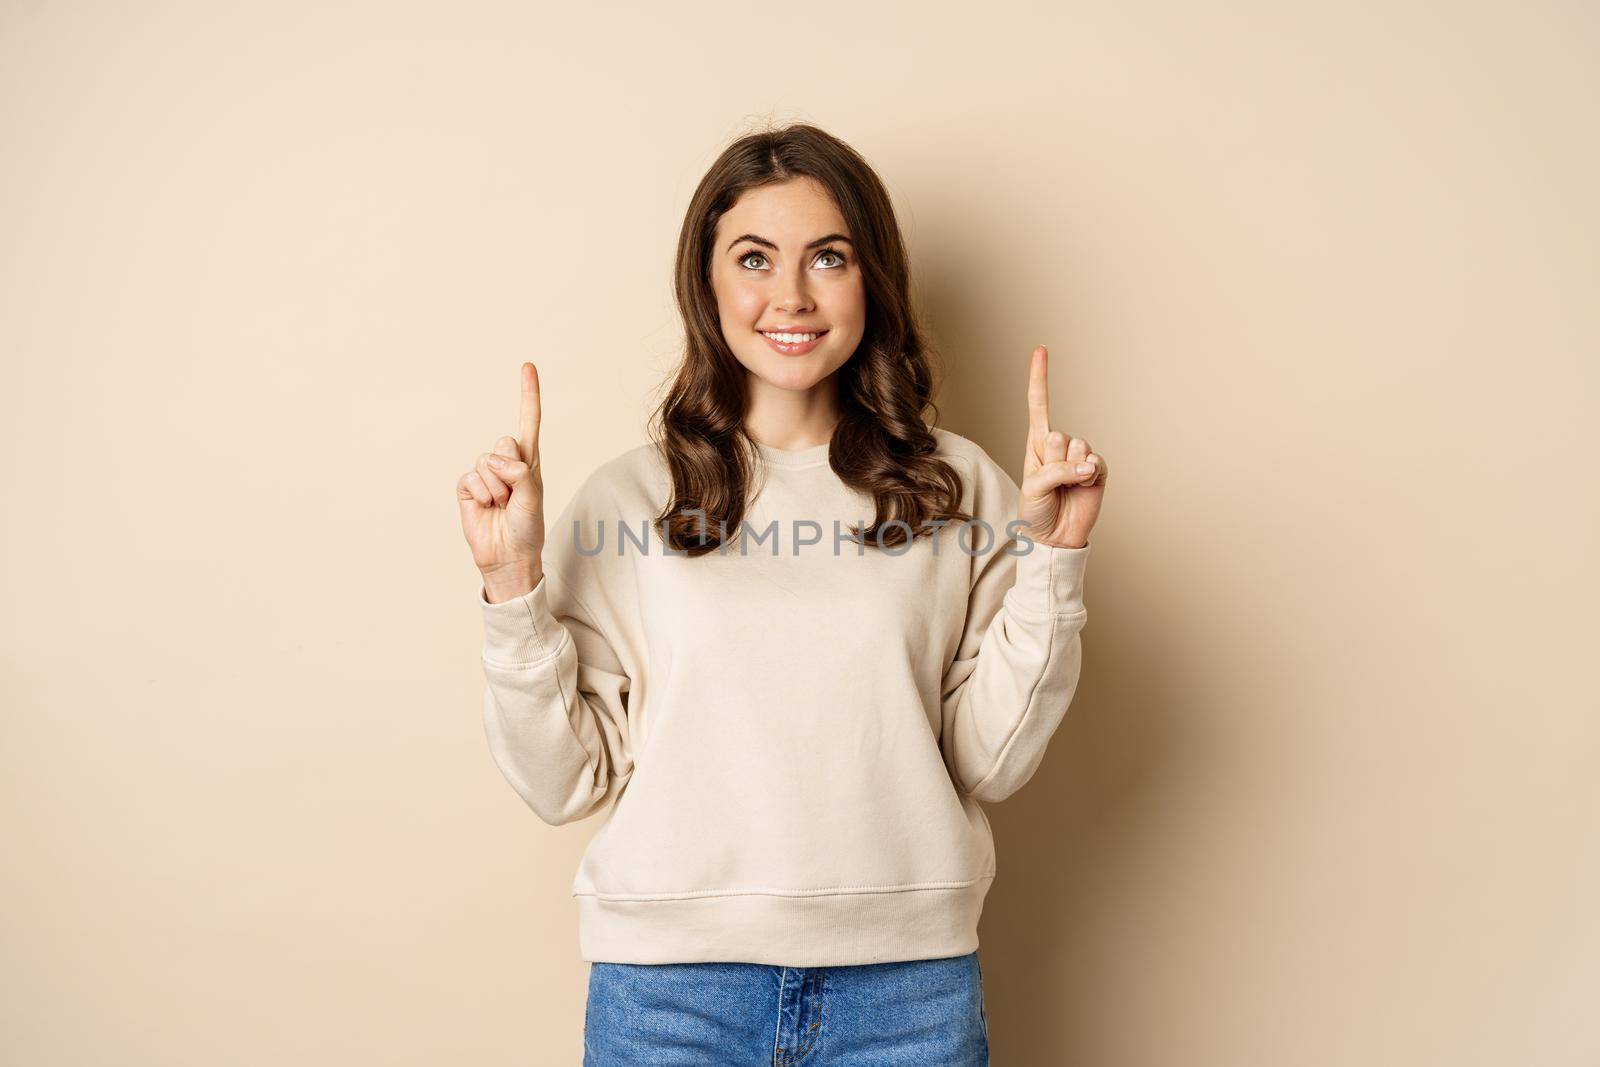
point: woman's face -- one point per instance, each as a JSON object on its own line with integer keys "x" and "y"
{"x": 782, "y": 262}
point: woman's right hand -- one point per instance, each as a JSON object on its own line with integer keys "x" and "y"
{"x": 502, "y": 505}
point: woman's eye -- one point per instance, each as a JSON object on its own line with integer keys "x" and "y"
{"x": 822, "y": 257}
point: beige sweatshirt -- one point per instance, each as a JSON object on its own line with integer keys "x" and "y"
{"x": 797, "y": 737}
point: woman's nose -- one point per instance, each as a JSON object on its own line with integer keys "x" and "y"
{"x": 794, "y": 300}
{"x": 793, "y": 297}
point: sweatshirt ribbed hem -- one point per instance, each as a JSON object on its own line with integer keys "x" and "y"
{"x": 833, "y": 930}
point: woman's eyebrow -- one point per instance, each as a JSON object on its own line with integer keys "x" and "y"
{"x": 754, "y": 239}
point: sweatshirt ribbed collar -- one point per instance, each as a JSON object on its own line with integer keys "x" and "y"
{"x": 815, "y": 456}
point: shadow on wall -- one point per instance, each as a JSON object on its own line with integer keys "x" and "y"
{"x": 1069, "y": 843}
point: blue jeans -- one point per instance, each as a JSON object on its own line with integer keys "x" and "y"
{"x": 731, "y": 1014}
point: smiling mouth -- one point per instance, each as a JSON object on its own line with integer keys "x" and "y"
{"x": 791, "y": 338}
{"x": 797, "y": 343}
{"x": 793, "y": 344}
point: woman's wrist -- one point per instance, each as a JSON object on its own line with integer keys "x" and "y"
{"x": 510, "y": 581}
{"x": 1039, "y": 540}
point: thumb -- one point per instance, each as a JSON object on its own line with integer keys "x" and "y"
{"x": 1051, "y": 476}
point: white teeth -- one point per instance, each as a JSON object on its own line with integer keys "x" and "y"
{"x": 792, "y": 338}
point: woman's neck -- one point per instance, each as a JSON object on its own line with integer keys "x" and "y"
{"x": 792, "y": 419}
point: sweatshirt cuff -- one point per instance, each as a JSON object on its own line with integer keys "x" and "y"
{"x": 1050, "y": 580}
{"x": 519, "y": 630}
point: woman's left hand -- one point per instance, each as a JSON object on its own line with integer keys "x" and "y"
{"x": 1062, "y": 479}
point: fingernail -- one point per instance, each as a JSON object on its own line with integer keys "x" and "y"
{"x": 1085, "y": 468}
{"x": 497, "y": 461}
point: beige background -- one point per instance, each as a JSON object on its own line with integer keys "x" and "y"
{"x": 1319, "y": 281}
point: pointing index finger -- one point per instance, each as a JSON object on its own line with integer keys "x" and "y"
{"x": 528, "y": 420}
{"x": 1038, "y": 396}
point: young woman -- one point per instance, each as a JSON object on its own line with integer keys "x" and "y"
{"x": 798, "y": 639}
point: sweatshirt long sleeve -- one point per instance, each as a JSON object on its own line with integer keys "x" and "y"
{"x": 795, "y": 734}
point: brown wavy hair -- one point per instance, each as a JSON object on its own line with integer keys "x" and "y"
{"x": 881, "y": 445}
